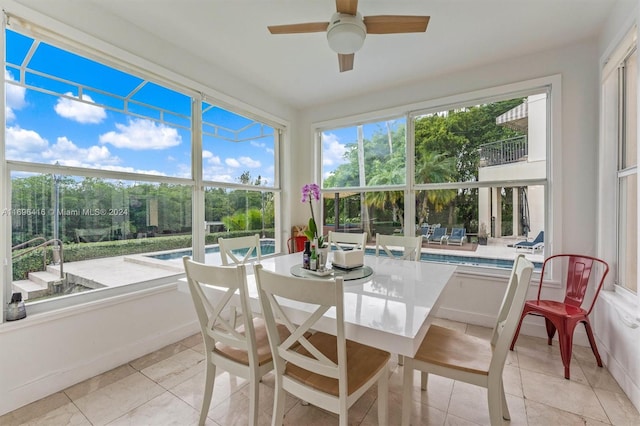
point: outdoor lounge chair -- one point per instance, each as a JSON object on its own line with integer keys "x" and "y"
{"x": 437, "y": 236}
{"x": 457, "y": 236}
{"x": 537, "y": 244}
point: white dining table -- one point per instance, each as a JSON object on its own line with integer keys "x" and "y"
{"x": 391, "y": 309}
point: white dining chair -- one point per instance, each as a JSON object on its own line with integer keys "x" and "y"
{"x": 347, "y": 240}
{"x": 233, "y": 249}
{"x": 411, "y": 246}
{"x": 460, "y": 356}
{"x": 240, "y": 349}
{"x": 325, "y": 370}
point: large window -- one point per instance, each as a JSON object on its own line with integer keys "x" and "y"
{"x": 114, "y": 171}
{"x": 479, "y": 166}
{"x": 619, "y": 94}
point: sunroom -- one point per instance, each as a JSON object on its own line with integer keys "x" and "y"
{"x": 124, "y": 151}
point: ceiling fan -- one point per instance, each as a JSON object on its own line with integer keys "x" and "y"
{"x": 347, "y": 29}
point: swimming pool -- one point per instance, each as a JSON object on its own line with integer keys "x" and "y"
{"x": 268, "y": 247}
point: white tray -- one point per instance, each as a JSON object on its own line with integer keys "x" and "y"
{"x": 320, "y": 273}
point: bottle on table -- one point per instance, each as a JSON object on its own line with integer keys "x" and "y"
{"x": 313, "y": 260}
{"x": 306, "y": 255}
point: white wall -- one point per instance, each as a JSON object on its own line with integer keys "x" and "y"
{"x": 46, "y": 353}
{"x": 616, "y": 313}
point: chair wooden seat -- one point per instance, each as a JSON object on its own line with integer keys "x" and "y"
{"x": 240, "y": 349}
{"x": 470, "y": 359}
{"x": 262, "y": 344}
{"x": 370, "y": 362}
{"x": 453, "y": 349}
{"x": 324, "y": 369}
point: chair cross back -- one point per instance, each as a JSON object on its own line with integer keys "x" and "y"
{"x": 219, "y": 328}
{"x": 288, "y": 349}
{"x": 229, "y": 248}
{"x": 411, "y": 246}
{"x": 234, "y": 348}
{"x": 355, "y": 241}
{"x": 313, "y": 366}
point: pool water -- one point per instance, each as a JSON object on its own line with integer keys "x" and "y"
{"x": 268, "y": 247}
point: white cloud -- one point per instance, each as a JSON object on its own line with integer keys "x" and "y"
{"x": 333, "y": 151}
{"x": 263, "y": 146}
{"x": 211, "y": 158}
{"x": 141, "y": 134}
{"x": 28, "y": 145}
{"x": 249, "y": 162}
{"x": 67, "y": 153}
{"x": 80, "y": 111}
{"x": 24, "y": 145}
{"x": 224, "y": 177}
{"x": 232, "y": 162}
{"x": 15, "y": 97}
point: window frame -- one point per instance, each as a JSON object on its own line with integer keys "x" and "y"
{"x": 610, "y": 173}
{"x": 552, "y": 85}
{"x": 79, "y": 43}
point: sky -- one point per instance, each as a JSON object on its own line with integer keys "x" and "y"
{"x": 54, "y": 127}
{"x": 335, "y": 142}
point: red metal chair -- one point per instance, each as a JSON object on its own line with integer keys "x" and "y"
{"x": 564, "y": 316}
{"x": 296, "y": 244}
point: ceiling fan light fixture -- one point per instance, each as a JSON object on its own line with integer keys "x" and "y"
{"x": 346, "y": 33}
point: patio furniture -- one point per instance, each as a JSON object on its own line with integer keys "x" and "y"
{"x": 457, "y": 236}
{"x": 533, "y": 246}
{"x": 241, "y": 350}
{"x": 240, "y": 246}
{"x": 353, "y": 241}
{"x": 460, "y": 356}
{"x": 438, "y": 236}
{"x": 325, "y": 369}
{"x": 566, "y": 315}
{"x": 410, "y": 246}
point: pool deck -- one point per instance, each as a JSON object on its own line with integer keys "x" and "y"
{"x": 124, "y": 270}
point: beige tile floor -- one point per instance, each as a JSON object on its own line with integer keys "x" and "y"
{"x": 165, "y": 387}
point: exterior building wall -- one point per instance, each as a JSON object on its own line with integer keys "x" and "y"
{"x": 533, "y": 168}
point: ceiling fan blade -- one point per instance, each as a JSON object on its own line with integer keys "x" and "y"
{"x": 346, "y": 62}
{"x": 389, "y": 24}
{"x": 349, "y": 7}
{"x": 308, "y": 27}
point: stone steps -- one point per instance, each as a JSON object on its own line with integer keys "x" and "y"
{"x": 39, "y": 284}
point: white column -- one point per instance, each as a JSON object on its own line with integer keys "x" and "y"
{"x": 516, "y": 211}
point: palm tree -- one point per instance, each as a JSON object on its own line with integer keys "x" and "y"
{"x": 388, "y": 173}
{"x": 434, "y": 167}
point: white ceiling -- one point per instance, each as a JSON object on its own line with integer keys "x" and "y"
{"x": 301, "y": 70}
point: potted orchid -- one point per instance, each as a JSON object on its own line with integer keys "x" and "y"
{"x": 311, "y": 192}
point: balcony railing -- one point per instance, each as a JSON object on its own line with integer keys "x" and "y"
{"x": 505, "y": 151}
